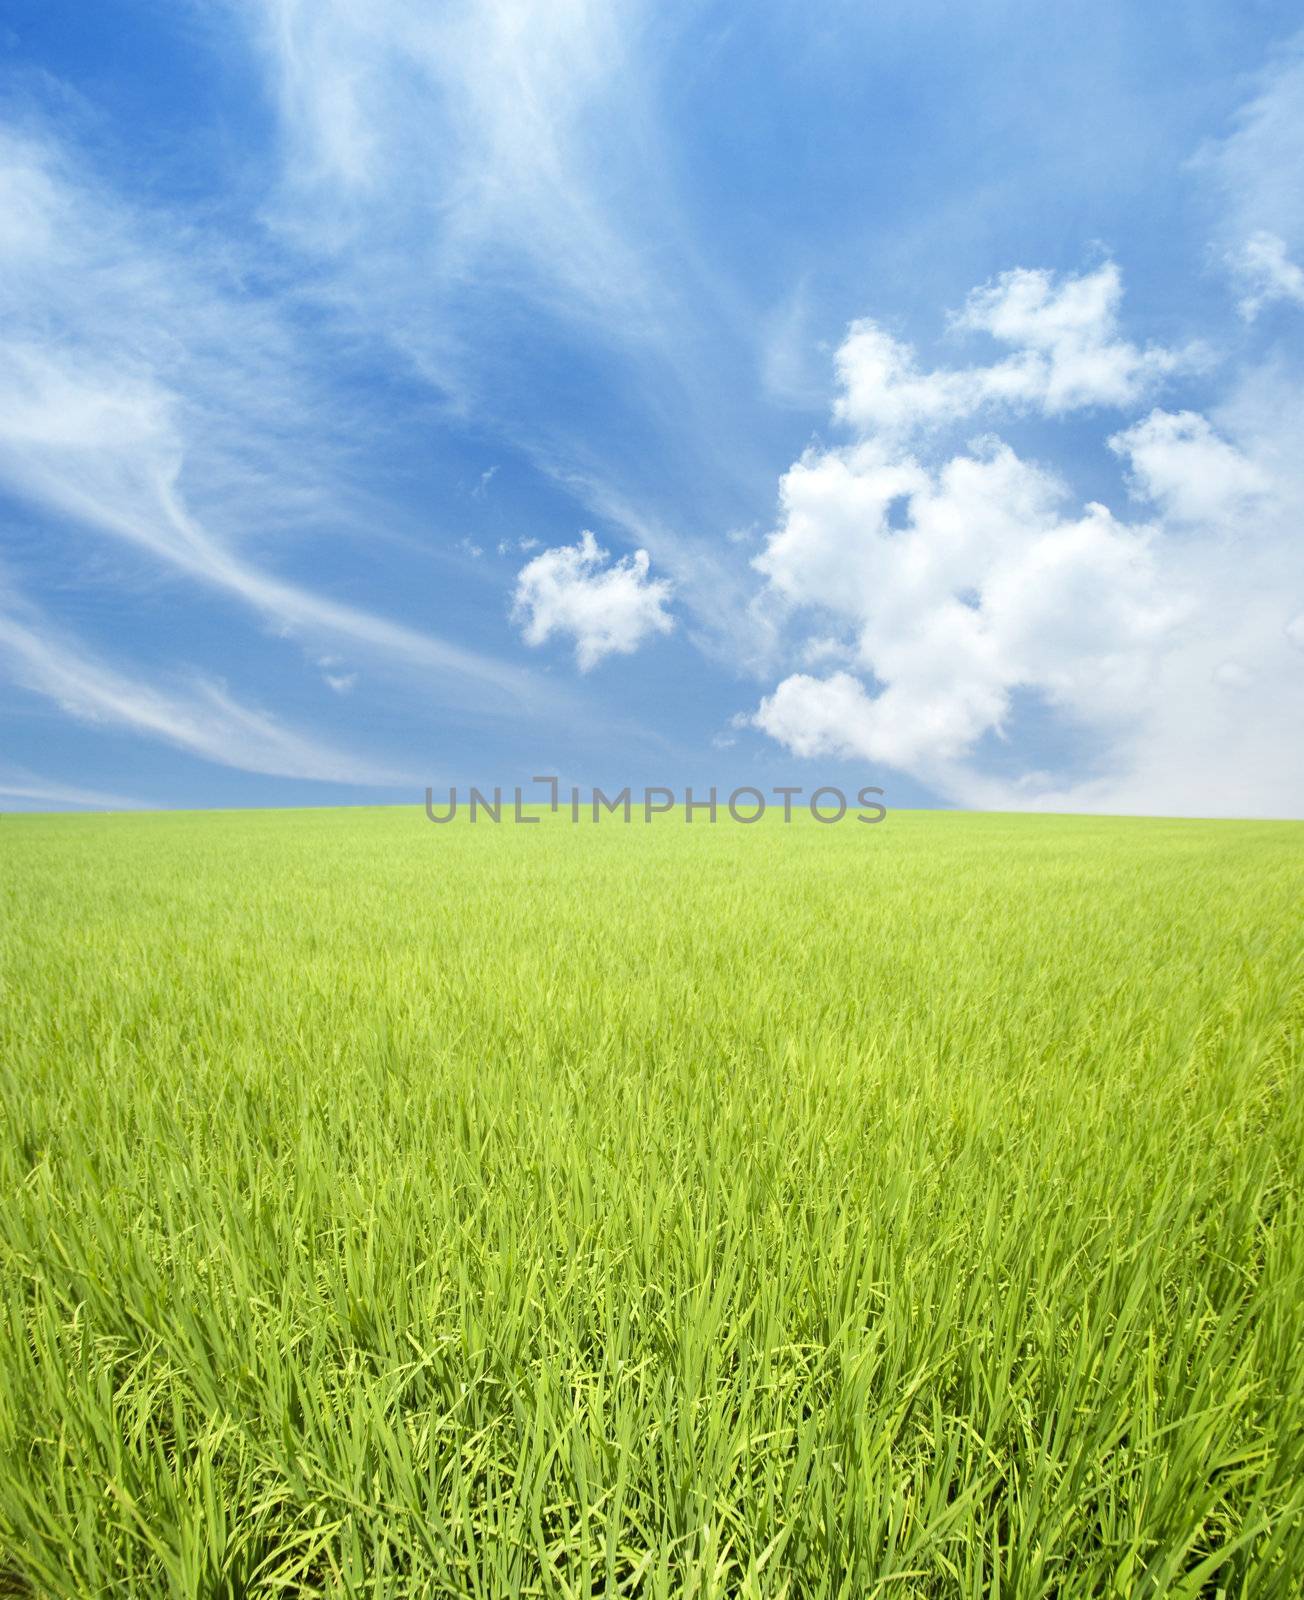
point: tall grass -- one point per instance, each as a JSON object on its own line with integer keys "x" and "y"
{"x": 796, "y": 1211}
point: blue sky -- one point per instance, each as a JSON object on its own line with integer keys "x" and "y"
{"x": 689, "y": 393}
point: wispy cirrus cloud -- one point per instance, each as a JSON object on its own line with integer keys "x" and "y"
{"x": 490, "y": 233}
{"x": 144, "y": 394}
{"x": 481, "y": 185}
{"x": 201, "y": 718}
{"x": 21, "y": 790}
{"x": 439, "y": 156}
{"x": 1253, "y": 173}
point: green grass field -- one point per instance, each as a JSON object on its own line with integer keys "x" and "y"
{"x": 394, "y": 1210}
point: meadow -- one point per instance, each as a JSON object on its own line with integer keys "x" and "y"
{"x": 896, "y": 1211}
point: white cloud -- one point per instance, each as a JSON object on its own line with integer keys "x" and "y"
{"x": 820, "y": 716}
{"x": 973, "y": 589}
{"x": 1233, "y": 675}
{"x": 465, "y": 177}
{"x": 822, "y": 650}
{"x": 724, "y": 621}
{"x": 791, "y": 361}
{"x": 464, "y": 145}
{"x": 204, "y": 720}
{"x": 1182, "y": 465}
{"x": 28, "y": 791}
{"x": 985, "y": 587}
{"x": 144, "y": 395}
{"x": 606, "y": 609}
{"x": 1254, "y": 173}
{"x": 1067, "y": 355}
{"x": 1266, "y": 273}
{"x": 1257, "y": 166}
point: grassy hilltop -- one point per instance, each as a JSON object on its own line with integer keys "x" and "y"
{"x": 909, "y": 1210}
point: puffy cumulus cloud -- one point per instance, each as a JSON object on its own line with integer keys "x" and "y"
{"x": 1266, "y": 273}
{"x": 608, "y": 609}
{"x": 819, "y": 716}
{"x": 1067, "y": 354}
{"x": 981, "y": 587}
{"x": 904, "y": 726}
{"x": 958, "y": 589}
{"x": 1183, "y": 466}
{"x": 1075, "y": 356}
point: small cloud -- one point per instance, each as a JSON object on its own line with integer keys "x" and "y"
{"x": 341, "y": 682}
{"x": 475, "y": 551}
{"x": 1267, "y": 273}
{"x": 482, "y": 486}
{"x": 790, "y": 370}
{"x": 1067, "y": 354}
{"x": 527, "y": 544}
{"x": 818, "y": 651}
{"x": 607, "y": 609}
{"x": 1180, "y": 464}
{"x": 1232, "y": 675}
